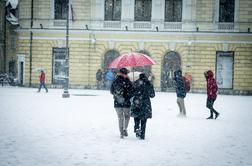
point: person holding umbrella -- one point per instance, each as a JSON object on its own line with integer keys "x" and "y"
{"x": 122, "y": 90}
{"x": 141, "y": 106}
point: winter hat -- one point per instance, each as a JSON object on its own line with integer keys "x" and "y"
{"x": 142, "y": 76}
{"x": 178, "y": 73}
{"x": 124, "y": 71}
{"x": 208, "y": 74}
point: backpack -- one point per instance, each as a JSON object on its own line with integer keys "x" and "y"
{"x": 187, "y": 84}
{"x": 110, "y": 75}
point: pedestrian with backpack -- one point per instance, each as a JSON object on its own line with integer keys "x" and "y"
{"x": 122, "y": 90}
{"x": 212, "y": 90}
{"x": 180, "y": 91}
{"x": 99, "y": 78}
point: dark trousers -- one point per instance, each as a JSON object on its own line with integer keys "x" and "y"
{"x": 209, "y": 105}
{"x": 40, "y": 86}
{"x": 137, "y": 126}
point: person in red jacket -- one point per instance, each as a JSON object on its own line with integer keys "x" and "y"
{"x": 212, "y": 90}
{"x": 42, "y": 81}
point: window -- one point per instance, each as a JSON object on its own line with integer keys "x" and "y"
{"x": 12, "y": 67}
{"x": 142, "y": 10}
{"x": 13, "y": 42}
{"x": 226, "y": 13}
{"x": 173, "y": 10}
{"x": 60, "y": 9}
{"x": 59, "y": 73}
{"x": 113, "y": 10}
{"x": 224, "y": 69}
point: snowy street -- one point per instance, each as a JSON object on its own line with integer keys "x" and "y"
{"x": 44, "y": 129}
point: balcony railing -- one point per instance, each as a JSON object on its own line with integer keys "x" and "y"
{"x": 226, "y": 26}
{"x": 173, "y": 26}
{"x": 138, "y": 25}
{"x": 142, "y": 25}
{"x": 112, "y": 24}
{"x": 59, "y": 23}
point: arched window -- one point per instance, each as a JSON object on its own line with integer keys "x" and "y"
{"x": 171, "y": 63}
{"x": 143, "y": 10}
{"x": 173, "y": 10}
{"x": 109, "y": 57}
{"x": 113, "y": 10}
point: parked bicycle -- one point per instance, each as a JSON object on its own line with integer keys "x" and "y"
{"x": 6, "y": 79}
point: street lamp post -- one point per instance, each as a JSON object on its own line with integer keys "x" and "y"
{"x": 66, "y": 67}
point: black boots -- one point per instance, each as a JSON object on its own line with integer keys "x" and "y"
{"x": 140, "y": 134}
{"x": 216, "y": 116}
{"x": 125, "y": 133}
{"x": 210, "y": 117}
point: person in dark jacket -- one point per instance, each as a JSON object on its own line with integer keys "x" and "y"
{"x": 141, "y": 107}
{"x": 42, "y": 81}
{"x": 122, "y": 90}
{"x": 212, "y": 90}
{"x": 99, "y": 76}
{"x": 180, "y": 91}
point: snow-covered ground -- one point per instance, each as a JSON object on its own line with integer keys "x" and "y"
{"x": 44, "y": 129}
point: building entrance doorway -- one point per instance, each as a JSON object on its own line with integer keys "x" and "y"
{"x": 171, "y": 63}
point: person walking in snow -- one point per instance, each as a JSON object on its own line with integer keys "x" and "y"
{"x": 109, "y": 78}
{"x": 99, "y": 78}
{"x": 141, "y": 105}
{"x": 122, "y": 90}
{"x": 180, "y": 91}
{"x": 42, "y": 81}
{"x": 212, "y": 90}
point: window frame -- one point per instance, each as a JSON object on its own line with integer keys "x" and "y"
{"x": 113, "y": 15}
{"x": 232, "y": 53}
{"x": 165, "y": 19}
{"x": 60, "y": 81}
{"x": 236, "y": 11}
{"x": 143, "y": 19}
{"x": 226, "y": 21}
{"x": 54, "y": 10}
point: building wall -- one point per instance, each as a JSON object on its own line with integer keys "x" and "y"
{"x": 10, "y": 41}
{"x": 245, "y": 11}
{"x": 196, "y": 49}
{"x": 2, "y": 4}
{"x": 205, "y": 10}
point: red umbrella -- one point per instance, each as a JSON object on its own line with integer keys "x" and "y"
{"x": 132, "y": 59}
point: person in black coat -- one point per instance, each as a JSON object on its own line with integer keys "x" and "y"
{"x": 180, "y": 91}
{"x": 122, "y": 90}
{"x": 141, "y": 105}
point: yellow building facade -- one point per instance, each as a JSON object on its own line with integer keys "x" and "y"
{"x": 196, "y": 43}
